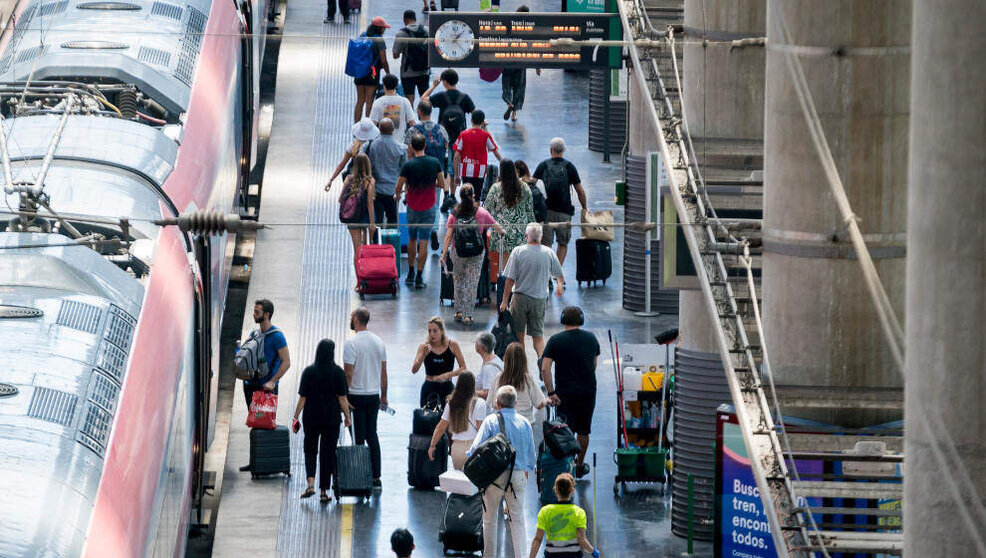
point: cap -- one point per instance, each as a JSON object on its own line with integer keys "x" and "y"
{"x": 380, "y": 22}
{"x": 365, "y": 130}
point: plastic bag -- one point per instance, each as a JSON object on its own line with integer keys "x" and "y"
{"x": 263, "y": 411}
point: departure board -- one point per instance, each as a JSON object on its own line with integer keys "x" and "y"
{"x": 519, "y": 40}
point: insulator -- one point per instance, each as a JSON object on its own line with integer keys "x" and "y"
{"x": 126, "y": 101}
{"x": 209, "y": 223}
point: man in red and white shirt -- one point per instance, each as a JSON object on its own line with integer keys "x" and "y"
{"x": 472, "y": 152}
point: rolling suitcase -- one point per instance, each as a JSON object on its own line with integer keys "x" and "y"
{"x": 422, "y": 472}
{"x": 402, "y": 222}
{"x": 483, "y": 288}
{"x": 354, "y": 473}
{"x": 548, "y": 469}
{"x": 376, "y": 269}
{"x": 594, "y": 261}
{"x": 447, "y": 292}
{"x": 462, "y": 524}
{"x": 393, "y": 238}
{"x": 270, "y": 451}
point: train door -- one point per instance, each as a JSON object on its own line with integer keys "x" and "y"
{"x": 203, "y": 369}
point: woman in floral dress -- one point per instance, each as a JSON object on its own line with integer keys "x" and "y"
{"x": 509, "y": 202}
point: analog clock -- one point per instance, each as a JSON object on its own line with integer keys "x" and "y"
{"x": 454, "y": 40}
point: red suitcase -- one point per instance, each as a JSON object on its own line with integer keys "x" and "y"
{"x": 376, "y": 269}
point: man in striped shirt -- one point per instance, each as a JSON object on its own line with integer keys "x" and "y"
{"x": 472, "y": 153}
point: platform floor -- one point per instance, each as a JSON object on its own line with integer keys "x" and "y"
{"x": 303, "y": 264}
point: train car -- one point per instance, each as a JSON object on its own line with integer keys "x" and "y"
{"x": 116, "y": 113}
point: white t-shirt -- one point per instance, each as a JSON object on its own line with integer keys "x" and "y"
{"x": 488, "y": 371}
{"x": 396, "y": 108}
{"x": 478, "y": 414}
{"x": 366, "y": 352}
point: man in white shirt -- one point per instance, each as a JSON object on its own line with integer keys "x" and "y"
{"x": 365, "y": 361}
{"x": 492, "y": 365}
{"x": 393, "y": 106}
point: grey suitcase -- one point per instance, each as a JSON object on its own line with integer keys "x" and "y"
{"x": 270, "y": 451}
{"x": 354, "y": 473}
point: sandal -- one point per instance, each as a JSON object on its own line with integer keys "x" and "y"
{"x": 308, "y": 493}
{"x": 458, "y": 316}
{"x": 433, "y": 8}
{"x": 324, "y": 498}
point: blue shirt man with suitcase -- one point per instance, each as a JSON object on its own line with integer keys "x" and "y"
{"x": 275, "y": 353}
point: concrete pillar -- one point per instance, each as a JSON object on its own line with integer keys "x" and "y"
{"x": 723, "y": 95}
{"x": 946, "y": 267}
{"x": 821, "y": 327}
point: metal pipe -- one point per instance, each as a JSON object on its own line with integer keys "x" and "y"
{"x": 7, "y": 175}
{"x": 39, "y": 184}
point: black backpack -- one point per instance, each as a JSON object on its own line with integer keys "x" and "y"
{"x": 453, "y": 117}
{"x": 468, "y": 238}
{"x": 491, "y": 459}
{"x": 556, "y": 185}
{"x": 416, "y": 51}
{"x": 540, "y": 205}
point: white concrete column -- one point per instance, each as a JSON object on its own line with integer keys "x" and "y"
{"x": 946, "y": 268}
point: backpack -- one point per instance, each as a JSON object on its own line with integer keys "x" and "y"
{"x": 250, "y": 361}
{"x": 468, "y": 238}
{"x": 540, "y": 205}
{"x": 453, "y": 117}
{"x": 556, "y": 185}
{"x": 435, "y": 145}
{"x": 360, "y": 57}
{"x": 352, "y": 204}
{"x": 416, "y": 51}
{"x": 491, "y": 459}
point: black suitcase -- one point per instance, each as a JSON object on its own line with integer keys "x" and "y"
{"x": 448, "y": 288}
{"x": 462, "y": 524}
{"x": 447, "y": 291}
{"x": 483, "y": 289}
{"x": 594, "y": 261}
{"x": 422, "y": 472}
{"x": 354, "y": 473}
{"x": 270, "y": 451}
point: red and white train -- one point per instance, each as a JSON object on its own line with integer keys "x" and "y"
{"x": 116, "y": 113}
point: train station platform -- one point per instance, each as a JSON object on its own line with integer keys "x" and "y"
{"x": 303, "y": 263}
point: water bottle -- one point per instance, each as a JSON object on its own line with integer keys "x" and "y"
{"x": 388, "y": 409}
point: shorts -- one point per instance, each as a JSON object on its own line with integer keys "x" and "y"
{"x": 563, "y": 233}
{"x": 369, "y": 79}
{"x": 417, "y": 82}
{"x": 528, "y": 314}
{"x": 421, "y": 218}
{"x": 577, "y": 408}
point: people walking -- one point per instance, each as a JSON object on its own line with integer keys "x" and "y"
{"x": 513, "y": 85}
{"x": 509, "y": 201}
{"x": 511, "y": 484}
{"x": 471, "y": 154}
{"x": 275, "y": 354}
{"x": 574, "y": 353}
{"x": 560, "y": 176}
{"x": 365, "y": 361}
{"x": 410, "y": 45}
{"x": 563, "y": 525}
{"x": 366, "y": 86}
{"x": 387, "y": 157}
{"x": 442, "y": 359}
{"x": 530, "y": 268}
{"x": 330, "y": 14}
{"x": 393, "y": 106}
{"x": 465, "y": 234}
{"x": 436, "y": 145}
{"x": 463, "y": 414}
{"x": 364, "y": 132}
{"x": 491, "y": 367}
{"x": 322, "y": 396}
{"x": 423, "y": 176}
{"x": 361, "y": 186}
{"x": 453, "y": 105}
{"x": 530, "y": 398}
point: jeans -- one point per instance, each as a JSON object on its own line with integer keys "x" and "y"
{"x": 514, "y": 496}
{"x": 343, "y": 8}
{"x": 365, "y": 411}
{"x": 320, "y": 442}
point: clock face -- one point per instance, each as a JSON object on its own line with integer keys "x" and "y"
{"x": 454, "y": 40}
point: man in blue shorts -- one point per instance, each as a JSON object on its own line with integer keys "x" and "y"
{"x": 422, "y": 175}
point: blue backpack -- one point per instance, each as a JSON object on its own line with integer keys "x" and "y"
{"x": 360, "y": 57}
{"x": 435, "y": 144}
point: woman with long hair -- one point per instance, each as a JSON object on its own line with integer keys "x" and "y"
{"x": 466, "y": 226}
{"x": 440, "y": 356}
{"x": 322, "y": 396}
{"x": 529, "y": 394}
{"x": 366, "y": 86}
{"x": 364, "y": 132}
{"x": 462, "y": 417}
{"x": 509, "y": 201}
{"x": 360, "y": 183}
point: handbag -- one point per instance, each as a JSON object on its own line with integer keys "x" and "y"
{"x": 427, "y": 417}
{"x": 598, "y": 225}
{"x": 263, "y": 411}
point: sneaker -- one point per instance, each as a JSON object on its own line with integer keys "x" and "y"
{"x": 329, "y": 19}
{"x": 245, "y": 468}
{"x": 434, "y": 241}
{"x": 583, "y": 471}
{"x": 419, "y": 282}
{"x": 347, "y": 21}
{"x": 377, "y": 484}
{"x": 410, "y": 277}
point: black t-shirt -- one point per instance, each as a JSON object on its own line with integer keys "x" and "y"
{"x": 558, "y": 197}
{"x": 421, "y": 171}
{"x": 441, "y": 101}
{"x": 574, "y": 353}
{"x": 321, "y": 392}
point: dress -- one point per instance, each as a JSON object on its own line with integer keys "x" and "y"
{"x": 513, "y": 219}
